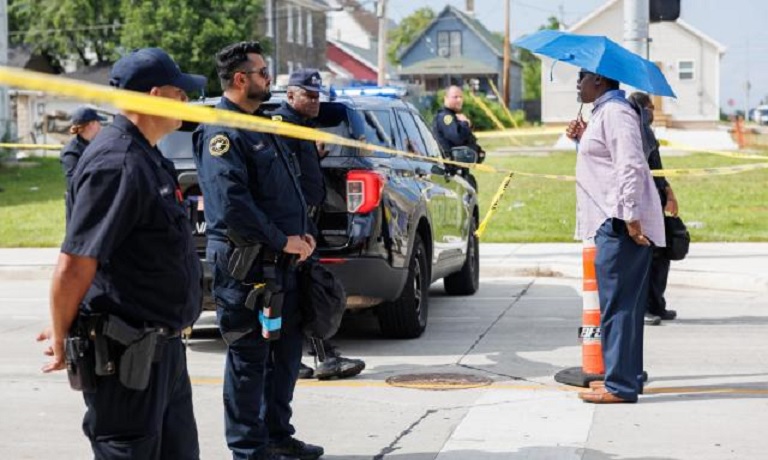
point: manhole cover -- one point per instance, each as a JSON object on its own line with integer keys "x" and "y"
{"x": 439, "y": 381}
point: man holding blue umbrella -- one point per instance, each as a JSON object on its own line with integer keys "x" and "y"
{"x": 617, "y": 203}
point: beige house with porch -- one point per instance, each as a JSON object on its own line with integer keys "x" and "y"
{"x": 688, "y": 58}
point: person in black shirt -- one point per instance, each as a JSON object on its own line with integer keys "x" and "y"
{"x": 128, "y": 269}
{"x": 657, "y": 304}
{"x": 453, "y": 129}
{"x": 86, "y": 124}
{"x": 301, "y": 108}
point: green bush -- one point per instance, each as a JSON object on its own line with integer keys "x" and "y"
{"x": 480, "y": 120}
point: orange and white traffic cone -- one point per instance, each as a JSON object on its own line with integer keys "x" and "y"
{"x": 593, "y": 367}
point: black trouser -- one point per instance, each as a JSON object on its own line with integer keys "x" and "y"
{"x": 657, "y": 305}
{"x": 157, "y": 423}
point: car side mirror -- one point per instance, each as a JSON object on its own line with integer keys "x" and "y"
{"x": 464, "y": 155}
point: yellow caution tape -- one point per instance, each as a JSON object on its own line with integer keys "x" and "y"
{"x": 738, "y": 155}
{"x": 31, "y": 146}
{"x": 494, "y": 204}
{"x": 503, "y": 103}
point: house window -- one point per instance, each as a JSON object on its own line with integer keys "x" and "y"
{"x": 290, "y": 67}
{"x": 449, "y": 43}
{"x": 271, "y": 66}
{"x": 289, "y": 18}
{"x": 299, "y": 27}
{"x": 685, "y": 70}
{"x": 310, "y": 36}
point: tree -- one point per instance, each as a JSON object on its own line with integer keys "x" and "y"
{"x": 191, "y": 31}
{"x": 532, "y": 66}
{"x": 86, "y": 30}
{"x": 407, "y": 31}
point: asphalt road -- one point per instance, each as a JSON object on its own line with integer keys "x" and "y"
{"x": 707, "y": 397}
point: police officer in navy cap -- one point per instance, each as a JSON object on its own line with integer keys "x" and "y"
{"x": 86, "y": 124}
{"x": 453, "y": 129}
{"x": 254, "y": 205}
{"x": 302, "y": 108}
{"x": 128, "y": 279}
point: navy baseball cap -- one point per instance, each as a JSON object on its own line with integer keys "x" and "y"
{"x": 144, "y": 68}
{"x": 308, "y": 79}
{"x": 83, "y": 115}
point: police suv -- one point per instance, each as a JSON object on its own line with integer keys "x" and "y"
{"x": 391, "y": 225}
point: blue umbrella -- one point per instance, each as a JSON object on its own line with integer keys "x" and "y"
{"x": 600, "y": 55}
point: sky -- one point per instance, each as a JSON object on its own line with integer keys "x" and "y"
{"x": 740, "y": 25}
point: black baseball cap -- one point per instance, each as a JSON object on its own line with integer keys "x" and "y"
{"x": 144, "y": 68}
{"x": 84, "y": 114}
{"x": 308, "y": 79}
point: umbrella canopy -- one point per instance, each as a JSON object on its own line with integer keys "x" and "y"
{"x": 600, "y": 55}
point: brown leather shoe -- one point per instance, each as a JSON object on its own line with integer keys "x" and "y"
{"x": 596, "y": 384}
{"x": 602, "y": 396}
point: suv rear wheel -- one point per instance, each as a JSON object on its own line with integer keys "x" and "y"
{"x": 406, "y": 317}
{"x": 466, "y": 281}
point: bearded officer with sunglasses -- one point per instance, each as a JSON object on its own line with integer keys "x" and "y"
{"x": 253, "y": 200}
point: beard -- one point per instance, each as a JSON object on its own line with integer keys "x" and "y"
{"x": 258, "y": 94}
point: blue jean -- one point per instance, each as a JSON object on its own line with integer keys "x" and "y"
{"x": 153, "y": 424}
{"x": 622, "y": 268}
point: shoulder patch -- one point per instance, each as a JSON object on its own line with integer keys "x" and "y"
{"x": 277, "y": 117}
{"x": 448, "y": 119}
{"x": 218, "y": 145}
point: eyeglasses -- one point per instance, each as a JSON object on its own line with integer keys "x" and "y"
{"x": 262, "y": 72}
{"x": 584, "y": 73}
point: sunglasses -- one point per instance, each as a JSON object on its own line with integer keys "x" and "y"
{"x": 584, "y": 73}
{"x": 262, "y": 72}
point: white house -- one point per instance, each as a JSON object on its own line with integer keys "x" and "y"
{"x": 348, "y": 21}
{"x": 688, "y": 58}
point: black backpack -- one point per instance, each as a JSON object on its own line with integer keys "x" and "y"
{"x": 322, "y": 300}
{"x": 678, "y": 238}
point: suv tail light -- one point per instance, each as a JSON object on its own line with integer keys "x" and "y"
{"x": 363, "y": 191}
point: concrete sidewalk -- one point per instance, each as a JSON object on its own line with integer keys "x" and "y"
{"x": 723, "y": 266}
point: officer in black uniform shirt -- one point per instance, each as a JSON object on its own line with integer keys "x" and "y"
{"x": 86, "y": 124}
{"x": 301, "y": 108}
{"x": 128, "y": 278}
{"x": 453, "y": 129}
{"x": 252, "y": 197}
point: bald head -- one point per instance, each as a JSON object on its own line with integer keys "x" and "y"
{"x": 454, "y": 98}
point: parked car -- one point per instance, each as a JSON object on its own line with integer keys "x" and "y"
{"x": 391, "y": 225}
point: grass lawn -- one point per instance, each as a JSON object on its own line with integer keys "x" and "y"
{"x": 32, "y": 204}
{"x": 728, "y": 208}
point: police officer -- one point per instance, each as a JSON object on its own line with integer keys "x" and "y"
{"x": 252, "y": 196}
{"x": 128, "y": 261}
{"x": 453, "y": 129}
{"x": 86, "y": 124}
{"x": 301, "y": 108}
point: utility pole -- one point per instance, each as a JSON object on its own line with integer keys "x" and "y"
{"x": 636, "y": 20}
{"x": 4, "y": 113}
{"x": 275, "y": 39}
{"x": 505, "y": 77}
{"x": 381, "y": 12}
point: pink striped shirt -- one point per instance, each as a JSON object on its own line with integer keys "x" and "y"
{"x": 612, "y": 174}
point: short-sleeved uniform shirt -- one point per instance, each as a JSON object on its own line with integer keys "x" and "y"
{"x": 451, "y": 132}
{"x": 249, "y": 181}
{"x": 127, "y": 212}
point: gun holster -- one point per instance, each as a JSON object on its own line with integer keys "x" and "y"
{"x": 242, "y": 260}
{"x": 79, "y": 356}
{"x": 139, "y": 354}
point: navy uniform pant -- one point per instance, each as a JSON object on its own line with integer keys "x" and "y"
{"x": 622, "y": 268}
{"x": 153, "y": 424}
{"x": 657, "y": 305}
{"x": 259, "y": 376}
